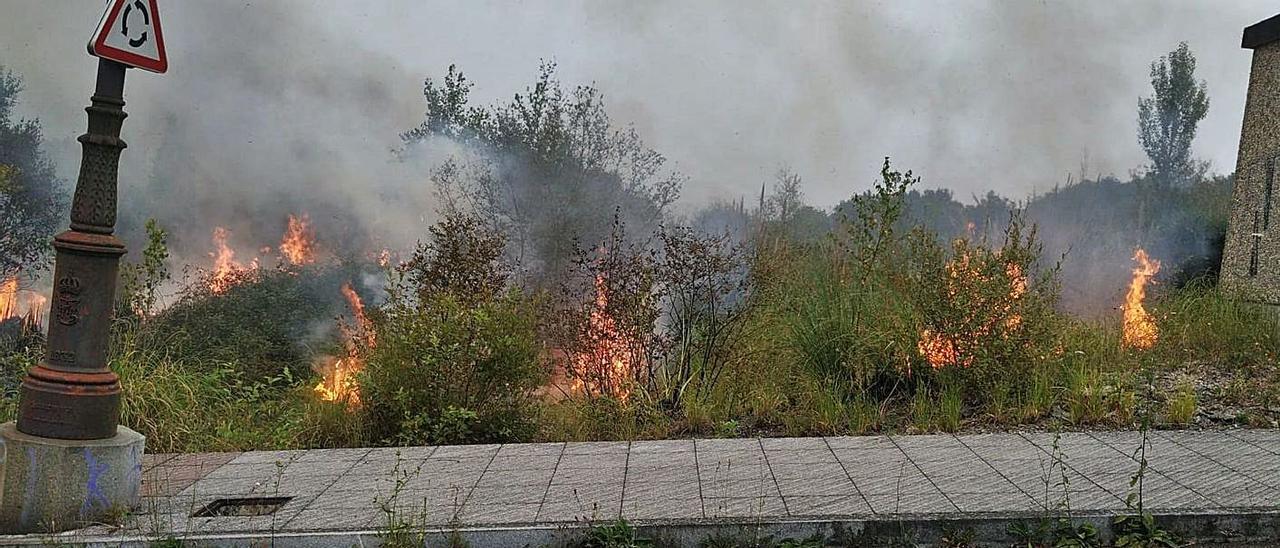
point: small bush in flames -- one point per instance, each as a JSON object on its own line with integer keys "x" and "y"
{"x": 985, "y": 308}
{"x": 605, "y": 327}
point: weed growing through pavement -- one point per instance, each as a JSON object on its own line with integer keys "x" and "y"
{"x": 1056, "y": 528}
{"x": 401, "y": 530}
{"x": 617, "y": 534}
{"x": 957, "y": 538}
{"x": 725, "y": 540}
{"x": 1137, "y": 528}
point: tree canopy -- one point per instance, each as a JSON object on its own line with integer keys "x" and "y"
{"x": 548, "y": 168}
{"x": 1167, "y": 120}
{"x": 31, "y": 196}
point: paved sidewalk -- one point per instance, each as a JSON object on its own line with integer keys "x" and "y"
{"x": 713, "y": 481}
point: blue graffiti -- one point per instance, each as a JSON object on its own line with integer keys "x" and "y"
{"x": 28, "y": 497}
{"x": 93, "y": 492}
{"x": 133, "y": 476}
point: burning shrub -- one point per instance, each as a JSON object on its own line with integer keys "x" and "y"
{"x": 876, "y": 314}
{"x": 983, "y": 308}
{"x": 664, "y": 321}
{"x": 340, "y": 382}
{"x": 605, "y": 327}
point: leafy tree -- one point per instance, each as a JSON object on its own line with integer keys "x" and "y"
{"x": 786, "y": 198}
{"x": 546, "y": 168}
{"x": 463, "y": 257}
{"x": 1167, "y": 120}
{"x": 31, "y": 196}
{"x": 140, "y": 282}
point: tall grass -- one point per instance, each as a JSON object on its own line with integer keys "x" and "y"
{"x": 184, "y": 407}
{"x": 1201, "y": 322}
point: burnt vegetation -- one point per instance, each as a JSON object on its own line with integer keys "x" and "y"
{"x": 557, "y": 296}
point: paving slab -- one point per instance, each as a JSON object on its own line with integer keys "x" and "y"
{"x": 859, "y": 482}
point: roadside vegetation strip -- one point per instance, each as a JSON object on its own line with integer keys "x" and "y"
{"x": 865, "y": 331}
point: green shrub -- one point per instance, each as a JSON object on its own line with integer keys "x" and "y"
{"x": 20, "y": 348}
{"x": 444, "y": 371}
{"x": 855, "y": 334}
{"x": 262, "y": 325}
{"x": 138, "y": 292}
{"x": 455, "y": 358}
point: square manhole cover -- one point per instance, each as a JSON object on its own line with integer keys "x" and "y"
{"x": 248, "y": 506}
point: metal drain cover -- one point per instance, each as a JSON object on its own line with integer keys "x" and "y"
{"x": 247, "y": 506}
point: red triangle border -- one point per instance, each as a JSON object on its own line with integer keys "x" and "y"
{"x": 99, "y": 48}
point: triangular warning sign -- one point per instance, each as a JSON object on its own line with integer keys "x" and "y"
{"x": 129, "y": 33}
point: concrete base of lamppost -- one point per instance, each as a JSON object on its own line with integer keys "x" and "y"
{"x": 54, "y": 485}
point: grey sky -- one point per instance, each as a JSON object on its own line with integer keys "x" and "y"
{"x": 1008, "y": 96}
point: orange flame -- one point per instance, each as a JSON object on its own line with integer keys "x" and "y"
{"x": 36, "y": 305}
{"x": 8, "y": 298}
{"x": 225, "y": 268}
{"x": 340, "y": 382}
{"x": 298, "y": 244}
{"x": 939, "y": 350}
{"x": 1139, "y": 326}
{"x": 16, "y": 302}
{"x": 606, "y": 366}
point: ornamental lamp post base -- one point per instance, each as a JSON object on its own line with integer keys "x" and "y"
{"x": 53, "y": 485}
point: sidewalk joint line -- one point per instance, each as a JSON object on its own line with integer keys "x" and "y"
{"x": 772, "y": 477}
{"x": 697, "y": 473}
{"x": 626, "y": 471}
{"x": 466, "y": 499}
{"x": 547, "y": 492}
{"x": 997, "y": 470}
{"x": 1066, "y": 461}
{"x": 922, "y": 473}
{"x": 826, "y": 441}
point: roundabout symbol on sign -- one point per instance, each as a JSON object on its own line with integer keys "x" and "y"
{"x": 130, "y": 34}
{"x": 124, "y": 23}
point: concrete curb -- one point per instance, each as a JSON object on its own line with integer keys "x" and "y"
{"x": 1222, "y": 528}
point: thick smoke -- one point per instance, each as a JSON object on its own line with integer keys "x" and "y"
{"x": 287, "y": 106}
{"x": 264, "y": 113}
